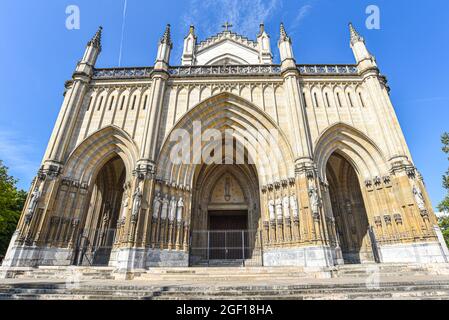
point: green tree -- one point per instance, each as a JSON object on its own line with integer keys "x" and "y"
{"x": 444, "y": 225}
{"x": 11, "y": 205}
{"x": 444, "y": 205}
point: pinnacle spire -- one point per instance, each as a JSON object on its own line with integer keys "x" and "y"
{"x": 355, "y": 36}
{"x": 284, "y": 35}
{"x": 96, "y": 40}
{"x": 261, "y": 28}
{"x": 166, "y": 38}
{"x": 192, "y": 30}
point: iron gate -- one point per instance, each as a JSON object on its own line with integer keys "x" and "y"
{"x": 93, "y": 247}
{"x": 226, "y": 247}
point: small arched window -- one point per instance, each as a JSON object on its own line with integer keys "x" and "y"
{"x": 350, "y": 100}
{"x": 316, "y": 100}
{"x": 361, "y": 99}
{"x": 338, "y": 99}
{"x": 122, "y": 103}
{"x": 327, "y": 100}
{"x": 134, "y": 103}
{"x": 112, "y": 103}
{"x": 145, "y": 102}
{"x": 101, "y": 102}
{"x": 90, "y": 103}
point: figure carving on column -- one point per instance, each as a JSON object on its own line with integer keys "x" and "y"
{"x": 419, "y": 198}
{"x": 180, "y": 210}
{"x": 137, "y": 202}
{"x": 286, "y": 207}
{"x": 157, "y": 205}
{"x": 315, "y": 202}
{"x": 294, "y": 205}
{"x": 348, "y": 206}
{"x": 165, "y": 204}
{"x": 125, "y": 204}
{"x": 172, "y": 213}
{"x": 279, "y": 213}
{"x": 35, "y": 196}
{"x": 271, "y": 209}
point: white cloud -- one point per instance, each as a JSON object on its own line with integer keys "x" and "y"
{"x": 303, "y": 12}
{"x": 245, "y": 15}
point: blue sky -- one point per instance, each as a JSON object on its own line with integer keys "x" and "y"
{"x": 39, "y": 54}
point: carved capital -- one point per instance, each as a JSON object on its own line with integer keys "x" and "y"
{"x": 145, "y": 171}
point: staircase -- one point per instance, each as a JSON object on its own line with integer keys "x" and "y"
{"x": 395, "y": 281}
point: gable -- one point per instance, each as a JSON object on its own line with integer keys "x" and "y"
{"x": 227, "y": 52}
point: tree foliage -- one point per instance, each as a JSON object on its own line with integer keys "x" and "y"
{"x": 11, "y": 205}
{"x": 444, "y": 205}
{"x": 444, "y": 225}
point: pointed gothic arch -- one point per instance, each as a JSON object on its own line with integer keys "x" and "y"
{"x": 97, "y": 149}
{"x": 227, "y": 111}
{"x": 360, "y": 150}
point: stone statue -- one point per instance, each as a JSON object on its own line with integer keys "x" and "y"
{"x": 271, "y": 209}
{"x": 172, "y": 213}
{"x": 125, "y": 204}
{"x": 165, "y": 204}
{"x": 286, "y": 207}
{"x": 137, "y": 201}
{"x": 294, "y": 205}
{"x": 35, "y": 196}
{"x": 419, "y": 198}
{"x": 315, "y": 202}
{"x": 157, "y": 205}
{"x": 279, "y": 208}
{"x": 180, "y": 210}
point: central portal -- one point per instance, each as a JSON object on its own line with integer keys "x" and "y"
{"x": 228, "y": 235}
{"x": 226, "y": 216}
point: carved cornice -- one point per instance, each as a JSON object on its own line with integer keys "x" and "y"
{"x": 319, "y": 70}
{"x": 226, "y": 35}
{"x": 226, "y": 70}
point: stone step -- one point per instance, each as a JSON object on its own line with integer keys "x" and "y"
{"x": 320, "y": 291}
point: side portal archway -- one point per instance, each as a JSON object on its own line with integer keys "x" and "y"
{"x": 348, "y": 208}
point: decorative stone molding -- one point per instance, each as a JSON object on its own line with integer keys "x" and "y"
{"x": 50, "y": 172}
{"x": 399, "y": 166}
{"x": 387, "y": 219}
{"x": 369, "y": 183}
{"x": 411, "y": 172}
{"x": 328, "y": 69}
{"x": 223, "y": 36}
{"x": 292, "y": 181}
{"x": 424, "y": 214}
{"x": 266, "y": 225}
{"x": 195, "y": 71}
{"x": 144, "y": 171}
{"x": 397, "y": 218}
{"x": 221, "y": 70}
{"x": 378, "y": 221}
{"x": 377, "y": 181}
{"x": 122, "y": 73}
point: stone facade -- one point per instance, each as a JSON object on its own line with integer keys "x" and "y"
{"x": 343, "y": 188}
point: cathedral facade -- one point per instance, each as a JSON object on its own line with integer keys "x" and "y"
{"x": 338, "y": 186}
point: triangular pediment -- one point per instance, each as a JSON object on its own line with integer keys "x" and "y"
{"x": 227, "y": 48}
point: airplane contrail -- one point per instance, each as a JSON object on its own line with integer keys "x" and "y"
{"x": 123, "y": 33}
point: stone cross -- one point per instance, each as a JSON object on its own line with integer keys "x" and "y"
{"x": 227, "y": 25}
